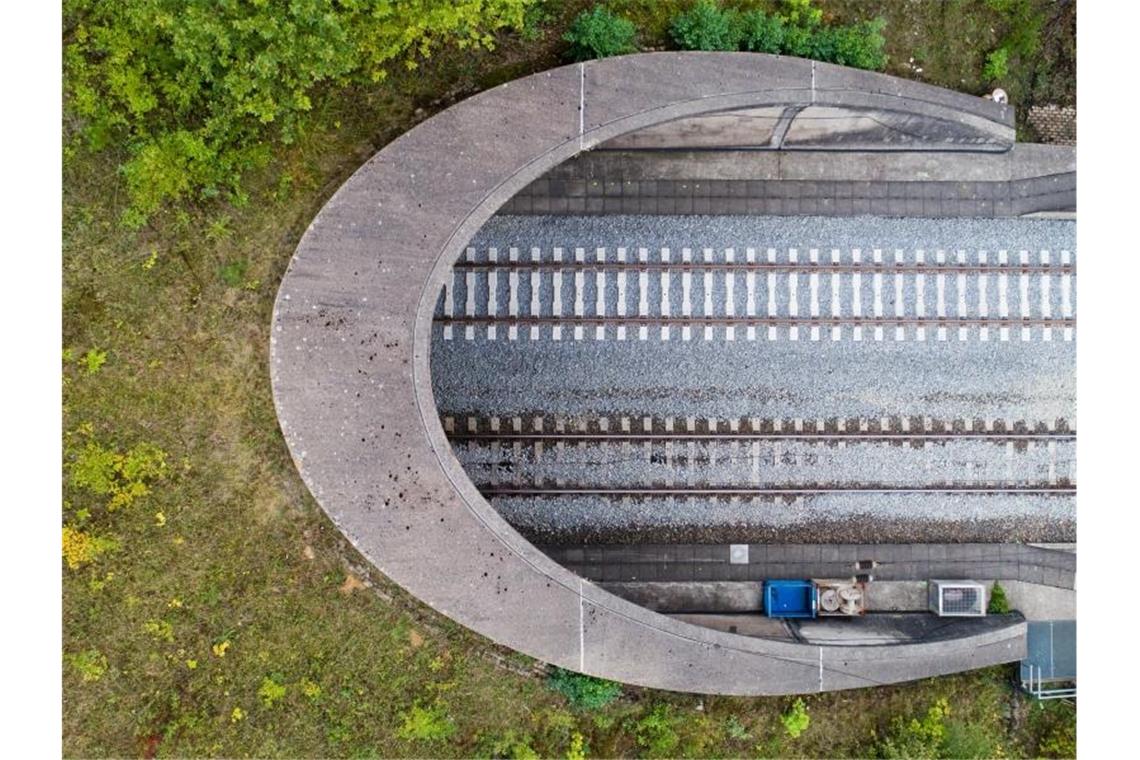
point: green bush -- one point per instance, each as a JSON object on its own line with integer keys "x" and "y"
{"x": 199, "y": 92}
{"x": 761, "y": 33}
{"x": 997, "y": 65}
{"x": 656, "y": 734}
{"x": 581, "y": 691}
{"x": 426, "y": 723}
{"x": 796, "y": 719}
{"x": 508, "y": 745}
{"x": 968, "y": 741}
{"x": 797, "y": 29}
{"x": 598, "y": 33}
{"x": 935, "y": 736}
{"x": 859, "y": 45}
{"x": 999, "y": 603}
{"x": 706, "y": 26}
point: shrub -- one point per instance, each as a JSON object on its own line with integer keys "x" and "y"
{"x": 761, "y": 33}
{"x": 271, "y": 692}
{"x": 916, "y": 739}
{"x": 80, "y": 547}
{"x": 655, "y": 732}
{"x": 968, "y": 741}
{"x": 796, "y": 719}
{"x": 124, "y": 477}
{"x": 1061, "y": 741}
{"x": 199, "y": 92}
{"x": 426, "y": 723}
{"x": 581, "y": 691}
{"x": 997, "y": 65}
{"x": 801, "y": 13}
{"x": 90, "y": 664}
{"x": 577, "y": 748}
{"x": 706, "y": 26}
{"x": 859, "y": 45}
{"x": 999, "y": 603}
{"x": 598, "y": 33}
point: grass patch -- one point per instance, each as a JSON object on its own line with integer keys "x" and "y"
{"x": 208, "y": 613}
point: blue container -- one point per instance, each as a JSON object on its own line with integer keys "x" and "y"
{"x": 790, "y": 599}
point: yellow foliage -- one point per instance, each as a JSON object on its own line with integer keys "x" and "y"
{"x": 80, "y": 547}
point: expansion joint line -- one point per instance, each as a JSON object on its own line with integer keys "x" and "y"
{"x": 581, "y": 106}
{"x": 581, "y": 628}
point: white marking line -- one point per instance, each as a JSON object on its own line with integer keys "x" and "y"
{"x": 1046, "y": 306}
{"x": 621, "y": 293}
{"x": 940, "y": 291}
{"x": 664, "y": 293}
{"x": 1066, "y": 296}
{"x": 1003, "y": 295}
{"x": 513, "y": 297}
{"x": 729, "y": 295}
{"x": 513, "y": 304}
{"x": 492, "y": 293}
{"x": 686, "y": 293}
{"x": 963, "y": 309}
{"x": 579, "y": 290}
{"x": 708, "y": 312}
{"x": 877, "y": 285}
{"x": 793, "y": 288}
{"x": 920, "y": 294}
{"x": 771, "y": 293}
{"x": 813, "y": 287}
{"x": 600, "y": 298}
{"x": 642, "y": 293}
{"x": 856, "y": 295}
{"x": 1024, "y": 293}
{"x": 836, "y": 331}
{"x": 750, "y": 286}
{"x": 535, "y": 282}
{"x": 582, "y": 626}
{"x": 821, "y": 648}
{"x": 983, "y": 297}
{"x": 900, "y": 332}
{"x": 469, "y": 305}
{"x": 556, "y": 307}
{"x": 449, "y": 303}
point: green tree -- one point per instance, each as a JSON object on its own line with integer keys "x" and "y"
{"x": 200, "y": 91}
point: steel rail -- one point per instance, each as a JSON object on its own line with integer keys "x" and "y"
{"x": 496, "y": 491}
{"x": 870, "y": 268}
{"x": 663, "y": 437}
{"x": 759, "y": 321}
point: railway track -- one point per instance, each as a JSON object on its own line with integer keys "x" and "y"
{"x": 770, "y": 295}
{"x": 793, "y": 490}
{"x": 998, "y": 436}
{"x": 550, "y": 458}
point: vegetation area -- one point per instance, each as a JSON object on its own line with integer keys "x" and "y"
{"x": 209, "y": 605}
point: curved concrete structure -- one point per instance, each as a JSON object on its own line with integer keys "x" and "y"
{"x": 350, "y": 344}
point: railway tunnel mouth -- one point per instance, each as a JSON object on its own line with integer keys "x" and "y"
{"x": 639, "y": 392}
{"x": 326, "y": 388}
